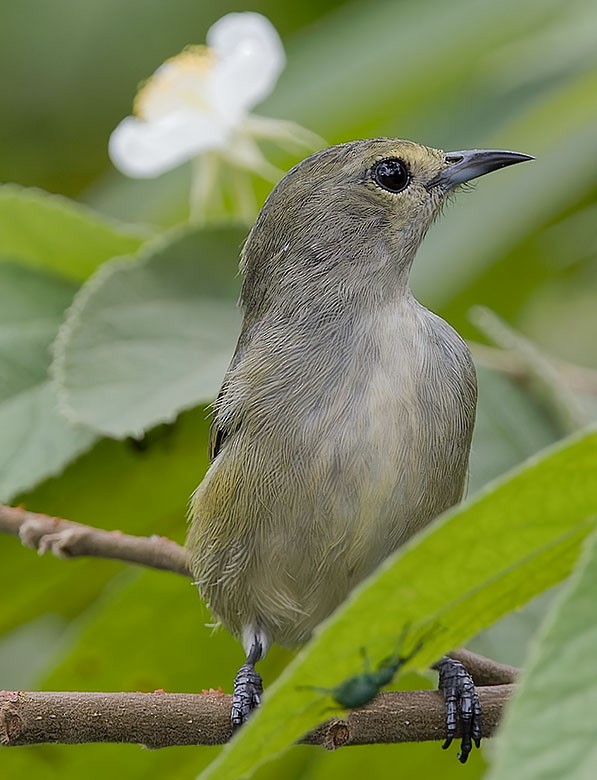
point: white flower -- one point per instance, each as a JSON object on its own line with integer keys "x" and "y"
{"x": 194, "y": 101}
{"x": 196, "y": 106}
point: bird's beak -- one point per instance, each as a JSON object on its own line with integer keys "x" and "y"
{"x": 470, "y": 163}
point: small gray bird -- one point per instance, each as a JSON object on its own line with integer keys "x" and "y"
{"x": 344, "y": 422}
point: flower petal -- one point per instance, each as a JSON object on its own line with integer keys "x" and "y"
{"x": 181, "y": 83}
{"x": 249, "y": 58}
{"x": 146, "y": 149}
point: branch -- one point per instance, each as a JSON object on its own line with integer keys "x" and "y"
{"x": 162, "y": 719}
{"x": 166, "y": 719}
{"x": 579, "y": 378}
{"x": 67, "y": 539}
{"x": 485, "y": 671}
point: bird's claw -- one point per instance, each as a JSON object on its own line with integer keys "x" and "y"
{"x": 248, "y": 689}
{"x": 462, "y": 703}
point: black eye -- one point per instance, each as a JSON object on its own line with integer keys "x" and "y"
{"x": 393, "y": 174}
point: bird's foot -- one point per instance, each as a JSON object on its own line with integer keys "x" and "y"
{"x": 246, "y": 696}
{"x": 462, "y": 703}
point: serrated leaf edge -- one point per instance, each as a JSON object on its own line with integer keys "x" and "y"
{"x": 73, "y": 315}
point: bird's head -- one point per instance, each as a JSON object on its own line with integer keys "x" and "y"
{"x": 362, "y": 202}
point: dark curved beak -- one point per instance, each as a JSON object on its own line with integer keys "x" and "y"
{"x": 470, "y": 163}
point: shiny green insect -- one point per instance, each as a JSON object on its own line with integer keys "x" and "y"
{"x": 360, "y": 689}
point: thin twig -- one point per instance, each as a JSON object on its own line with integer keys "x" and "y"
{"x": 67, "y": 539}
{"x": 581, "y": 379}
{"x": 547, "y": 381}
{"x": 167, "y": 719}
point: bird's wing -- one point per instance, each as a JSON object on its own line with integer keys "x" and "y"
{"x": 254, "y": 299}
{"x": 217, "y": 436}
{"x": 218, "y": 430}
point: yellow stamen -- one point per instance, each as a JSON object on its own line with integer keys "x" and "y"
{"x": 170, "y": 77}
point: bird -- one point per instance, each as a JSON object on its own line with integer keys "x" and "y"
{"x": 344, "y": 422}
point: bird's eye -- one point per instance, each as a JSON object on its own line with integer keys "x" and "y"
{"x": 392, "y": 174}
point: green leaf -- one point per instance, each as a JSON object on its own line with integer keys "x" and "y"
{"x": 36, "y": 441}
{"x": 161, "y": 622}
{"x": 46, "y": 243}
{"x": 550, "y": 725}
{"x": 414, "y": 759}
{"x": 469, "y": 568}
{"x": 56, "y": 234}
{"x": 131, "y": 604}
{"x": 145, "y": 340}
{"x": 114, "y": 486}
{"x": 24, "y": 652}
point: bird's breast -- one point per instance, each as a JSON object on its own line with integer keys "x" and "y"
{"x": 340, "y": 450}
{"x": 363, "y": 437}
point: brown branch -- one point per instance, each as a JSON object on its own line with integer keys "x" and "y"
{"x": 161, "y": 719}
{"x": 67, "y": 539}
{"x": 485, "y": 671}
{"x": 167, "y": 719}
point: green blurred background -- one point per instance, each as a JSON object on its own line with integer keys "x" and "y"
{"x": 468, "y": 73}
